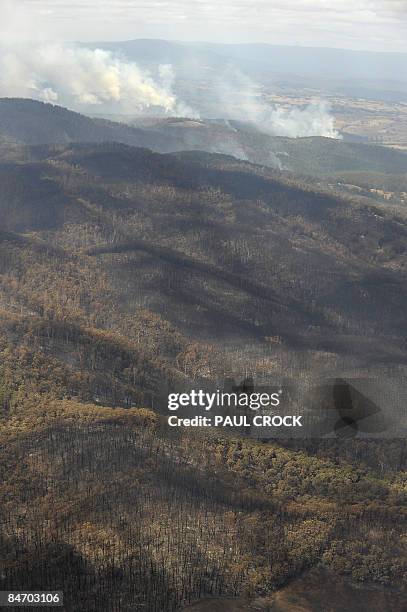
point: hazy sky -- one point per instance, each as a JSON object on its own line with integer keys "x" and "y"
{"x": 353, "y": 24}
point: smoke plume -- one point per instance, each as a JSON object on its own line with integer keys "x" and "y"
{"x": 85, "y": 79}
{"x": 241, "y": 98}
{"x": 311, "y": 120}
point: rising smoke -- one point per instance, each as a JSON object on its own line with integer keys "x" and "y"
{"x": 103, "y": 82}
{"x": 99, "y": 81}
{"x": 312, "y": 120}
{"x": 241, "y": 98}
{"x": 85, "y": 79}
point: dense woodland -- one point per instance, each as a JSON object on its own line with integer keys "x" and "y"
{"x": 125, "y": 274}
{"x": 121, "y": 514}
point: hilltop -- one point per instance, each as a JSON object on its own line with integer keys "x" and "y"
{"x": 30, "y": 122}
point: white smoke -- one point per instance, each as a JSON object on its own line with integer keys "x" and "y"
{"x": 311, "y": 120}
{"x": 167, "y": 80}
{"x": 84, "y": 78}
{"x": 242, "y": 99}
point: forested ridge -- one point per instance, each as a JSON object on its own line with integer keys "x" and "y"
{"x": 32, "y": 122}
{"x": 125, "y": 274}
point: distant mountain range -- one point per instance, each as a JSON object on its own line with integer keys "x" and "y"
{"x": 356, "y": 73}
{"x": 300, "y": 61}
